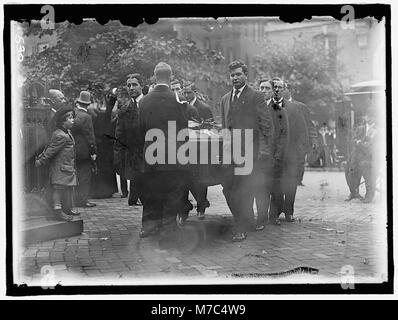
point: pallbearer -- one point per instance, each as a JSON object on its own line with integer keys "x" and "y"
{"x": 164, "y": 182}
{"x": 244, "y": 108}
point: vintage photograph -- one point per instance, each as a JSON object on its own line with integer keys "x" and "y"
{"x": 192, "y": 150}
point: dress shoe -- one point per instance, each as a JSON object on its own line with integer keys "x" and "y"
{"x": 61, "y": 216}
{"x": 366, "y": 200}
{"x": 239, "y": 236}
{"x": 144, "y": 233}
{"x": 275, "y": 221}
{"x": 134, "y": 202}
{"x": 71, "y": 212}
{"x": 289, "y": 218}
{"x": 88, "y": 204}
{"x": 300, "y": 184}
{"x": 124, "y": 195}
{"x": 182, "y": 218}
{"x": 260, "y": 227}
{"x": 201, "y": 215}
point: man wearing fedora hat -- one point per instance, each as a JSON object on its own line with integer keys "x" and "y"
{"x": 86, "y": 149}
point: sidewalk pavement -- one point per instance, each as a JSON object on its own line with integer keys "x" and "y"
{"x": 329, "y": 238}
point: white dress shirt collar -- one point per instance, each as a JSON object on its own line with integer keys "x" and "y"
{"x": 193, "y": 101}
{"x": 240, "y": 91}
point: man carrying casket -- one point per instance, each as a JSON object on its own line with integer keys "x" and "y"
{"x": 244, "y": 108}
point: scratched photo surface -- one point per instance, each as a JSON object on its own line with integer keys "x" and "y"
{"x": 312, "y": 208}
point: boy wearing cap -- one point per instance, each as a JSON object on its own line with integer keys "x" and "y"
{"x": 61, "y": 155}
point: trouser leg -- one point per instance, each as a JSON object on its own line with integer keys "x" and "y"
{"x": 240, "y": 196}
{"x": 276, "y": 192}
{"x": 152, "y": 204}
{"x": 123, "y": 185}
{"x": 175, "y": 185}
{"x": 199, "y": 191}
{"x": 84, "y": 179}
{"x": 370, "y": 181}
{"x": 66, "y": 199}
{"x": 57, "y": 198}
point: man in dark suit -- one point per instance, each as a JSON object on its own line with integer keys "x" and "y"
{"x": 128, "y": 144}
{"x": 86, "y": 149}
{"x": 244, "y": 108}
{"x": 199, "y": 191}
{"x": 311, "y": 132}
{"x": 176, "y": 87}
{"x": 165, "y": 180}
{"x": 264, "y": 173}
{"x": 286, "y": 168}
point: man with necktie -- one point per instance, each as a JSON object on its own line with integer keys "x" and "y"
{"x": 244, "y": 108}
{"x": 128, "y": 144}
{"x": 292, "y": 131}
{"x": 265, "y": 169}
{"x": 198, "y": 190}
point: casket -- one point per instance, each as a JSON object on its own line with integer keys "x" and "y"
{"x": 208, "y": 169}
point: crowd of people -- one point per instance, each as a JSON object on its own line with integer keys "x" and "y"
{"x": 88, "y": 147}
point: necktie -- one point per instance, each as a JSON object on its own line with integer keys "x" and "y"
{"x": 235, "y": 95}
{"x": 277, "y": 105}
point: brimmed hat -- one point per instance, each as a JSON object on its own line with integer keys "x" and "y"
{"x": 84, "y": 97}
{"x": 59, "y": 116}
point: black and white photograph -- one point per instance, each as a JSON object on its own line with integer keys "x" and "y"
{"x": 189, "y": 147}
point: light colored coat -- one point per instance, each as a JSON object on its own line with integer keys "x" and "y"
{"x": 60, "y": 153}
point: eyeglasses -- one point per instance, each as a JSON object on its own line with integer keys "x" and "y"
{"x": 263, "y": 88}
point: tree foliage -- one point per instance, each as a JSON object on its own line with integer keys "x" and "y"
{"x": 92, "y": 56}
{"x": 309, "y": 69}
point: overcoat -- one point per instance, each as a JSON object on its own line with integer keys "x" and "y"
{"x": 60, "y": 153}
{"x": 128, "y": 145}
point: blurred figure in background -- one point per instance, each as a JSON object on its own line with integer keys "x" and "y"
{"x": 311, "y": 133}
{"x": 361, "y": 162}
{"x": 86, "y": 149}
{"x": 104, "y": 183}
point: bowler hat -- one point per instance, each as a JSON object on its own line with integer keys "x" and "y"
{"x": 84, "y": 97}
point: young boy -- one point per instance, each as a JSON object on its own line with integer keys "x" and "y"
{"x": 61, "y": 155}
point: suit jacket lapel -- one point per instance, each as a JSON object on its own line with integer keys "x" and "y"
{"x": 243, "y": 95}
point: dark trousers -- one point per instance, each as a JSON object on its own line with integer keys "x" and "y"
{"x": 84, "y": 181}
{"x": 262, "y": 189}
{"x": 301, "y": 166}
{"x": 123, "y": 185}
{"x": 239, "y": 193}
{"x": 355, "y": 172}
{"x": 284, "y": 189}
{"x": 199, "y": 192}
{"x": 134, "y": 188}
{"x": 163, "y": 195}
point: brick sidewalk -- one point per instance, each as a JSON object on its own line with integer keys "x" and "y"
{"x": 328, "y": 235}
